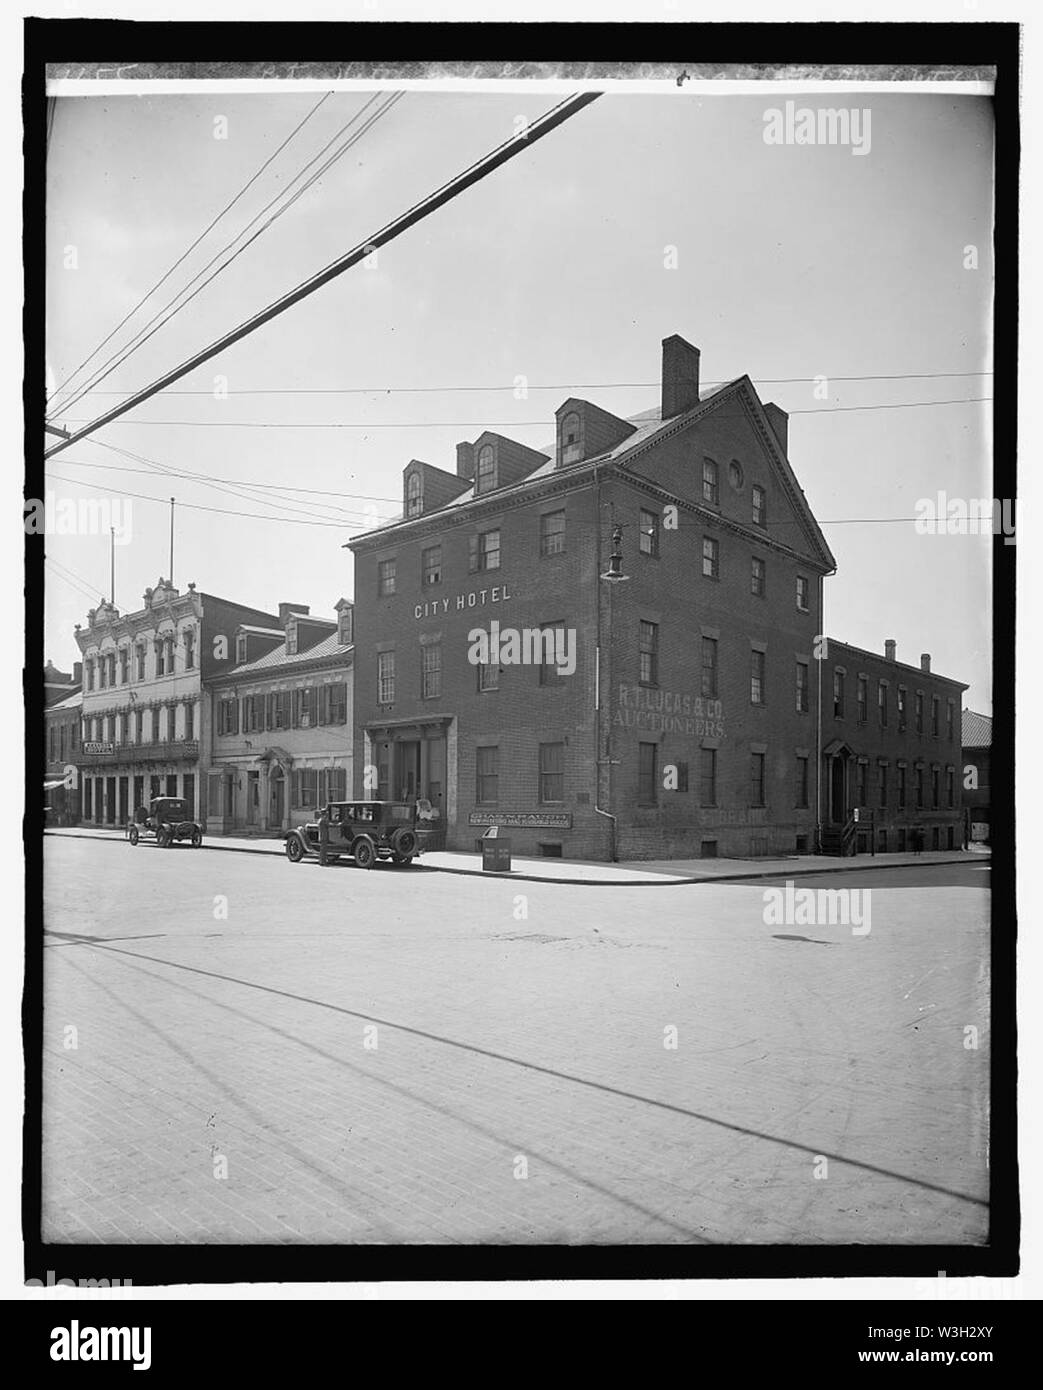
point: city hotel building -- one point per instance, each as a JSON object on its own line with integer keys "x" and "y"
{"x": 677, "y": 554}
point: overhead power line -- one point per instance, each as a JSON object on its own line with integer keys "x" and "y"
{"x": 448, "y": 191}
{"x": 184, "y": 256}
{"x": 462, "y": 424}
{"x": 162, "y": 318}
{"x": 543, "y": 386}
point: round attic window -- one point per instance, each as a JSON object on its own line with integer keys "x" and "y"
{"x": 735, "y": 475}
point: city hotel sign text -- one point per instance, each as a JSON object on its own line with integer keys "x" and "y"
{"x": 477, "y": 598}
{"x": 665, "y": 711}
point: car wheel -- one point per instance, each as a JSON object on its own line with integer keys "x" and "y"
{"x": 365, "y": 852}
{"x": 163, "y": 838}
{"x": 197, "y": 838}
{"x": 403, "y": 844}
{"x": 294, "y": 853}
{"x": 132, "y": 835}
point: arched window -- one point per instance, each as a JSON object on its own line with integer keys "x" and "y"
{"x": 571, "y": 448}
{"x": 486, "y": 478}
{"x": 414, "y": 495}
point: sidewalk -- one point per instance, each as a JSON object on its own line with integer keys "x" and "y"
{"x": 636, "y": 872}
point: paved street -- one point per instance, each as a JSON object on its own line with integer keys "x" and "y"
{"x": 268, "y": 1053}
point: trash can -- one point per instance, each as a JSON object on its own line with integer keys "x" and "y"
{"x": 496, "y": 852}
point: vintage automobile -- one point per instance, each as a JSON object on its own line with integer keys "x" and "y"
{"x": 364, "y": 830}
{"x": 166, "y": 821}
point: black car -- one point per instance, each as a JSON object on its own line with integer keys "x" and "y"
{"x": 362, "y": 830}
{"x": 166, "y": 821}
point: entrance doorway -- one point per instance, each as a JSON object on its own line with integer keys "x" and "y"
{"x": 124, "y": 815}
{"x": 838, "y": 790}
{"x": 407, "y": 770}
{"x": 277, "y": 796}
{"x": 253, "y": 798}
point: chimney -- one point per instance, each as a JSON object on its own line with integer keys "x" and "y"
{"x": 285, "y": 609}
{"x": 889, "y": 649}
{"x": 680, "y": 376}
{"x": 925, "y": 663}
{"x": 77, "y": 673}
{"x": 465, "y": 460}
{"x": 778, "y": 419}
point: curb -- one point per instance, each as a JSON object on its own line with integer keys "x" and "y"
{"x": 661, "y": 882}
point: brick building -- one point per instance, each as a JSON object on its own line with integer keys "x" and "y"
{"x": 977, "y": 774}
{"x": 890, "y": 750}
{"x": 684, "y": 719}
{"x": 282, "y": 723}
{"x": 61, "y": 754}
{"x": 145, "y": 715}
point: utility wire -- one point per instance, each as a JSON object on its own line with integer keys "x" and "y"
{"x": 184, "y": 256}
{"x": 477, "y": 171}
{"x": 197, "y": 507}
{"x": 147, "y": 330}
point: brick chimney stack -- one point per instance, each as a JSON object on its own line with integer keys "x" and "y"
{"x": 925, "y": 663}
{"x": 680, "y": 376}
{"x": 889, "y": 649}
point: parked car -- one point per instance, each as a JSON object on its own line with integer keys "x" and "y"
{"x": 166, "y": 821}
{"x": 362, "y": 830}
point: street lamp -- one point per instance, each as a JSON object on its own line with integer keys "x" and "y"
{"x": 614, "y": 574}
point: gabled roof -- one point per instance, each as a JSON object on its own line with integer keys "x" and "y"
{"x": 278, "y": 659}
{"x": 70, "y": 702}
{"x": 977, "y": 730}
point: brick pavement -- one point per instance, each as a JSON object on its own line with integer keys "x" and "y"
{"x": 500, "y": 1039}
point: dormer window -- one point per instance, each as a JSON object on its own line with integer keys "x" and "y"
{"x": 291, "y": 637}
{"x": 485, "y": 479}
{"x": 240, "y": 648}
{"x": 571, "y": 447}
{"x": 414, "y": 495}
{"x": 346, "y": 625}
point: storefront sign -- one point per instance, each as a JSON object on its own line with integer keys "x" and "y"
{"x": 523, "y": 820}
{"x": 668, "y": 712}
{"x": 97, "y": 747}
{"x": 477, "y": 598}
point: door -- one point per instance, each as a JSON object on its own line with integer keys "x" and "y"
{"x": 253, "y": 798}
{"x": 277, "y": 784}
{"x": 837, "y": 798}
{"x": 189, "y": 793}
{"x": 124, "y": 814}
{"x": 407, "y": 770}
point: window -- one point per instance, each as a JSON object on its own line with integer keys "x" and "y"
{"x": 279, "y": 710}
{"x": 881, "y": 703}
{"x": 552, "y": 533}
{"x": 919, "y": 712}
{"x": 485, "y": 551}
{"x": 708, "y": 687}
{"x": 838, "y": 694}
{"x": 88, "y": 671}
{"x": 802, "y": 687}
{"x": 756, "y": 677}
{"x": 304, "y": 707}
{"x": 414, "y": 495}
{"x": 949, "y": 719}
{"x": 648, "y": 526}
{"x": 881, "y": 785}
{"x": 901, "y": 786}
{"x": 112, "y": 667}
{"x": 647, "y": 783}
{"x": 291, "y": 637}
{"x": 172, "y": 722}
{"x": 919, "y": 787}
{"x": 431, "y": 671}
{"x": 550, "y": 671}
{"x": 346, "y": 625}
{"x": 307, "y": 779}
{"x": 190, "y": 649}
{"x": 757, "y": 779}
{"x": 124, "y": 665}
{"x": 707, "y": 776}
{"x": 800, "y": 785}
{"x": 935, "y": 712}
{"x": 228, "y": 716}
{"x": 336, "y": 711}
{"x": 803, "y": 594}
{"x": 486, "y": 479}
{"x": 385, "y": 678}
{"x": 190, "y": 720}
{"x": 760, "y": 505}
{"x": 936, "y": 787}
{"x": 901, "y": 708}
{"x": 758, "y": 571}
{"x": 385, "y": 578}
{"x": 160, "y": 648}
{"x": 170, "y": 656}
{"x": 735, "y": 474}
{"x": 431, "y": 566}
{"x": 101, "y": 673}
{"x": 252, "y": 714}
{"x": 240, "y": 648}
{"x": 336, "y": 788}
{"x": 571, "y": 449}
{"x": 487, "y": 775}
{"x": 648, "y": 658}
{"x": 710, "y": 489}
{"x": 862, "y": 697}
{"x": 488, "y": 677}
{"x": 552, "y": 772}
{"x": 950, "y": 787}
{"x": 861, "y": 781}
{"x": 711, "y": 558}
{"x": 139, "y": 659}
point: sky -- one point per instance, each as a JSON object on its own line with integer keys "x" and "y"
{"x": 643, "y": 216}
